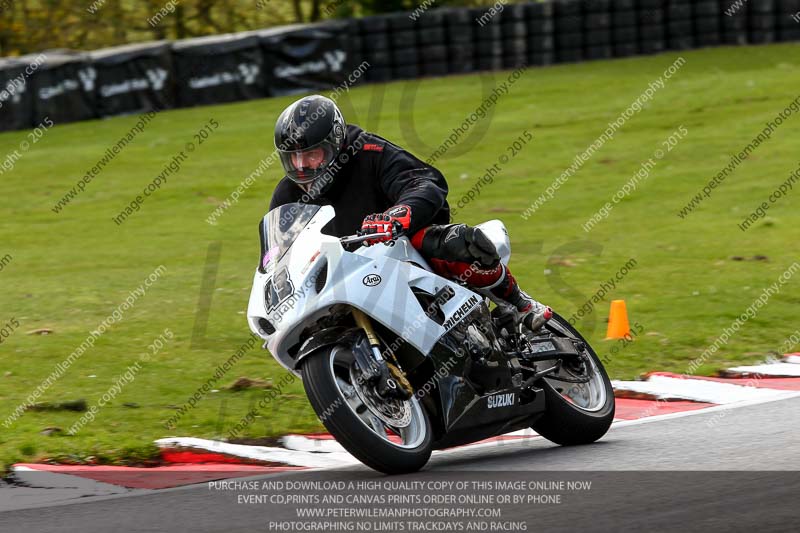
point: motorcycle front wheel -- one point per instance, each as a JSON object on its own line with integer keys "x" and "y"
{"x": 390, "y": 436}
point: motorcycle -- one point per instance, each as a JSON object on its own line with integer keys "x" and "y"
{"x": 397, "y": 361}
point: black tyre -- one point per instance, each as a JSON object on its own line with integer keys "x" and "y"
{"x": 490, "y": 48}
{"x": 624, "y": 19}
{"x": 538, "y": 11}
{"x": 461, "y": 54}
{"x": 461, "y": 66}
{"x": 576, "y": 413}
{"x": 434, "y": 69}
{"x": 540, "y": 43}
{"x": 515, "y": 30}
{"x": 515, "y": 60}
{"x": 487, "y": 34}
{"x": 624, "y": 5}
{"x": 706, "y": 9}
{"x": 405, "y": 56}
{"x": 597, "y": 38}
{"x": 541, "y": 58}
{"x": 403, "y": 39}
{"x": 377, "y": 57}
{"x": 376, "y": 41}
{"x": 569, "y": 24}
{"x": 432, "y": 36}
{"x": 654, "y": 46}
{"x": 400, "y": 22}
{"x": 373, "y": 24}
{"x": 734, "y": 23}
{"x": 789, "y": 34}
{"x": 568, "y": 7}
{"x": 761, "y": 21}
{"x": 651, "y": 17}
{"x": 650, "y": 4}
{"x": 540, "y": 26}
{"x": 490, "y": 62}
{"x": 569, "y": 55}
{"x": 596, "y": 21}
{"x": 709, "y": 39}
{"x": 351, "y": 413}
{"x": 626, "y": 49}
{"x": 460, "y": 34}
{"x": 434, "y": 54}
{"x": 569, "y": 40}
{"x": 379, "y": 73}
{"x": 625, "y": 35}
{"x": 599, "y": 52}
{"x": 681, "y": 43}
{"x": 739, "y": 38}
{"x": 515, "y": 46}
{"x": 651, "y": 33}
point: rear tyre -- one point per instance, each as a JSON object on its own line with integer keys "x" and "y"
{"x": 396, "y": 439}
{"x": 576, "y": 413}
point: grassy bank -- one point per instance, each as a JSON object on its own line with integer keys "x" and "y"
{"x": 70, "y": 270}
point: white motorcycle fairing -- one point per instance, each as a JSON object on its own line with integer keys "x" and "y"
{"x": 316, "y": 273}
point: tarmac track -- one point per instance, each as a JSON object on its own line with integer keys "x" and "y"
{"x": 714, "y": 470}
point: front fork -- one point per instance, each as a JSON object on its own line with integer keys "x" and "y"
{"x": 391, "y": 382}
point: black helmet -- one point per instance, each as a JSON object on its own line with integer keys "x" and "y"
{"x": 309, "y": 124}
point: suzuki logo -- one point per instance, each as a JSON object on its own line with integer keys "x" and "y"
{"x": 500, "y": 400}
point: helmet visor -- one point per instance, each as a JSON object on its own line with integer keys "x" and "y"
{"x": 309, "y": 164}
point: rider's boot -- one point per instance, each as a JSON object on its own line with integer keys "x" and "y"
{"x": 529, "y": 312}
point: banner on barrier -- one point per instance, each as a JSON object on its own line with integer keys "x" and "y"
{"x": 16, "y": 96}
{"x": 303, "y": 58}
{"x": 134, "y": 78}
{"x": 63, "y": 88}
{"x": 214, "y": 70}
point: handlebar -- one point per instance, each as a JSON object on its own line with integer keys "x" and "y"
{"x": 350, "y": 239}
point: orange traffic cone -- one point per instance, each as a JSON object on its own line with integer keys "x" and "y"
{"x": 618, "y": 327}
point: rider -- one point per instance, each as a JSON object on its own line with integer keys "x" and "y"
{"x": 377, "y": 187}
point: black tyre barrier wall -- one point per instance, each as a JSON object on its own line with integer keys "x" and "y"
{"x": 217, "y": 69}
{"x": 68, "y": 86}
{"x": 315, "y": 57}
{"x": 133, "y": 78}
{"x": 64, "y": 88}
{"x": 16, "y": 100}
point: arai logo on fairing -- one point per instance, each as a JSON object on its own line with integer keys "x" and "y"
{"x": 370, "y": 280}
{"x": 500, "y": 400}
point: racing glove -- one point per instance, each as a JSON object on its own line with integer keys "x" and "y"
{"x": 394, "y": 221}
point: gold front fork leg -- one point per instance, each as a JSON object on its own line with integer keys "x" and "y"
{"x": 363, "y": 322}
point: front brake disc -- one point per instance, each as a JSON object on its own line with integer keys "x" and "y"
{"x": 393, "y": 412}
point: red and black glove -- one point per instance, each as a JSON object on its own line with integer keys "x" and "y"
{"x": 393, "y": 221}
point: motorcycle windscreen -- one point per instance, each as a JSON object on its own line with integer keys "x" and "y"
{"x": 279, "y": 229}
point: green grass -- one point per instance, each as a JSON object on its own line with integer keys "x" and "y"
{"x": 70, "y": 270}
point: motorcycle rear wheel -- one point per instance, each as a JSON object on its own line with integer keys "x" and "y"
{"x": 576, "y": 413}
{"x": 328, "y": 379}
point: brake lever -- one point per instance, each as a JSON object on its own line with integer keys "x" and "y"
{"x": 351, "y": 239}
